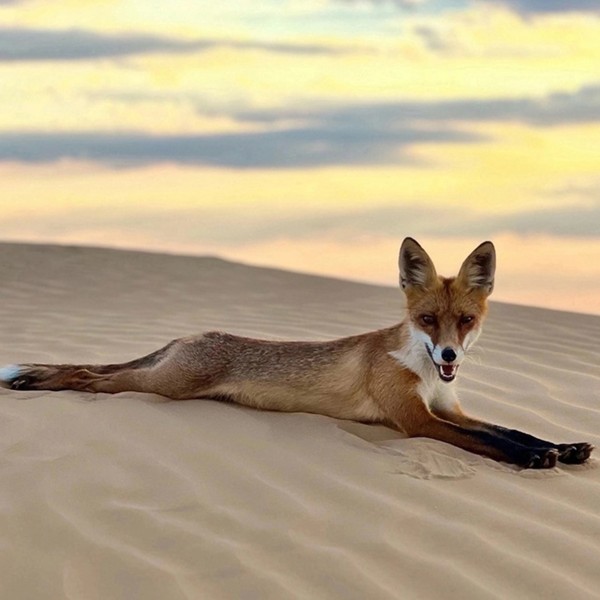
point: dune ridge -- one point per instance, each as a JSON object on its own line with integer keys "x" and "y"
{"x": 131, "y": 496}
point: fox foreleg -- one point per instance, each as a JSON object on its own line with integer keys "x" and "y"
{"x": 416, "y": 420}
{"x": 574, "y": 453}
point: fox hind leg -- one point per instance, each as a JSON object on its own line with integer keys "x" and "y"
{"x": 111, "y": 378}
{"x": 177, "y": 371}
{"x": 62, "y": 377}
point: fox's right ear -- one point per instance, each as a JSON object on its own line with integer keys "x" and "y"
{"x": 416, "y": 268}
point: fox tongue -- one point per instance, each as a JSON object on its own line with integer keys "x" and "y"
{"x": 447, "y": 370}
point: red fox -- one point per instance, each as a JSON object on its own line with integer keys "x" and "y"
{"x": 402, "y": 376}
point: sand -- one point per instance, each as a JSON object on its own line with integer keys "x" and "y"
{"x": 134, "y": 497}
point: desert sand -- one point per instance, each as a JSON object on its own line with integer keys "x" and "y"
{"x": 134, "y": 497}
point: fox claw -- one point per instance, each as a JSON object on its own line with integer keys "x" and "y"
{"x": 22, "y": 383}
{"x": 574, "y": 454}
{"x": 543, "y": 459}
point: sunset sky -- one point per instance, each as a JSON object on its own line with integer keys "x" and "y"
{"x": 311, "y": 134}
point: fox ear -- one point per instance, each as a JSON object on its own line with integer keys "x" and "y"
{"x": 416, "y": 268}
{"x": 477, "y": 272}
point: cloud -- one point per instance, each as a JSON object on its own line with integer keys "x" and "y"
{"x": 261, "y": 223}
{"x": 392, "y": 220}
{"x": 290, "y": 148}
{"x": 524, "y": 7}
{"x": 356, "y": 134}
{"x": 581, "y": 220}
{"x": 437, "y": 40}
{"x": 25, "y": 44}
{"x": 563, "y": 221}
{"x": 21, "y": 44}
{"x": 530, "y": 7}
{"x": 555, "y": 109}
{"x": 402, "y": 4}
{"x": 559, "y": 108}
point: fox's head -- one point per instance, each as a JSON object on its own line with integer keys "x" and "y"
{"x": 446, "y": 314}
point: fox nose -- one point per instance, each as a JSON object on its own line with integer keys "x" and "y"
{"x": 448, "y": 354}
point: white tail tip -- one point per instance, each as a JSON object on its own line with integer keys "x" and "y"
{"x": 9, "y": 372}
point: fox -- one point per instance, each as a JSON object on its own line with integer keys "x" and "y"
{"x": 403, "y": 376}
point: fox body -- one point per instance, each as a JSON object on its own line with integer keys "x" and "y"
{"x": 402, "y": 376}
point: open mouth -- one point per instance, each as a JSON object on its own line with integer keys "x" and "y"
{"x": 447, "y": 372}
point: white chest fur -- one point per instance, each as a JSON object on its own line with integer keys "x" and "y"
{"x": 437, "y": 394}
{"x": 414, "y": 355}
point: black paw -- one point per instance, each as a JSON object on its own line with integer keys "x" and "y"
{"x": 574, "y": 454}
{"x": 541, "y": 458}
{"x": 23, "y": 382}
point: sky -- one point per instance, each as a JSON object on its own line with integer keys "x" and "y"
{"x": 311, "y": 135}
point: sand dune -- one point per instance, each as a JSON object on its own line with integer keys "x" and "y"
{"x": 133, "y": 497}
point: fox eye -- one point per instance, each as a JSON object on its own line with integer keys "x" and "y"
{"x": 428, "y": 319}
{"x": 466, "y": 319}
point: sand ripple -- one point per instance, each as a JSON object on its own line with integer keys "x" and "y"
{"x": 127, "y": 496}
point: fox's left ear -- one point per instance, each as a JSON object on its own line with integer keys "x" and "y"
{"x": 477, "y": 272}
